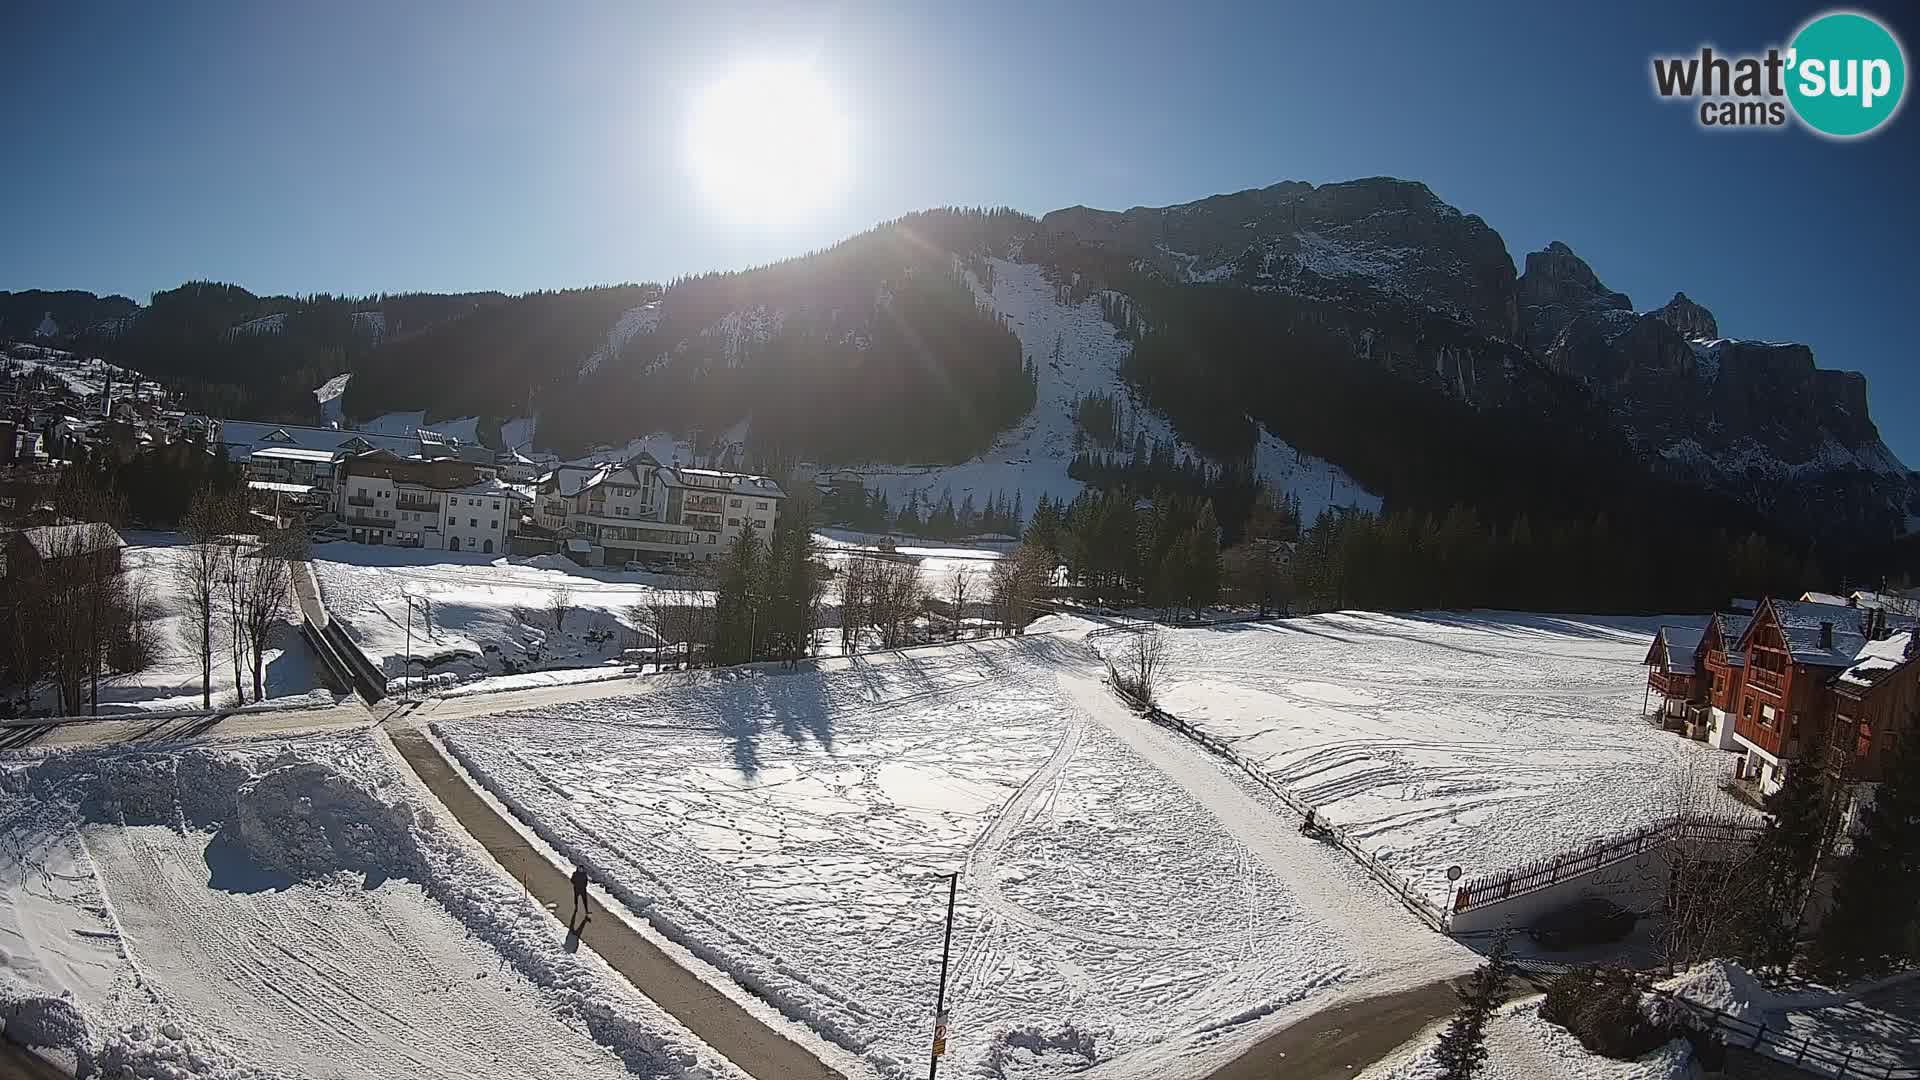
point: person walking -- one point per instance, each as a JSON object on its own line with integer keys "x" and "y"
{"x": 580, "y": 880}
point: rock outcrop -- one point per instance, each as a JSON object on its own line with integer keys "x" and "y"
{"x": 1557, "y": 288}
{"x": 1390, "y": 237}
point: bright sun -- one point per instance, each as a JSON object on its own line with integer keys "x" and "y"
{"x": 769, "y": 143}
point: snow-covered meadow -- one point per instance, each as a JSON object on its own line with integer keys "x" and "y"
{"x": 290, "y": 909}
{"x": 476, "y": 615}
{"x": 796, "y": 830}
{"x": 1481, "y": 740}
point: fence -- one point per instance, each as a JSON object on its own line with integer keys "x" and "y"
{"x": 1543, "y": 873}
{"x": 1805, "y": 1052}
{"x": 1421, "y": 905}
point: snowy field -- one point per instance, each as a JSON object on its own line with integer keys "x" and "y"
{"x": 290, "y": 909}
{"x": 795, "y": 830}
{"x": 1482, "y": 740}
{"x": 476, "y": 615}
{"x": 172, "y": 679}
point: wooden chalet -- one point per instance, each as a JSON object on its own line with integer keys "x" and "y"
{"x": 1876, "y": 705}
{"x": 1677, "y": 680}
{"x": 1795, "y": 651}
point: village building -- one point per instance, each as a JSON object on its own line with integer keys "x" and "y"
{"x": 63, "y": 552}
{"x": 1796, "y": 652}
{"x": 1876, "y": 707}
{"x": 441, "y": 503}
{"x": 643, "y": 511}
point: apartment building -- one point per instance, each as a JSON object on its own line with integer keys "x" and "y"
{"x": 444, "y": 504}
{"x": 641, "y": 510}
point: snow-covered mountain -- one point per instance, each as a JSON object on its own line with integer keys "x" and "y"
{"x": 1754, "y": 419}
{"x": 1079, "y": 355}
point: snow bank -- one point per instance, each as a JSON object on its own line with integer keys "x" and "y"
{"x": 312, "y": 822}
{"x": 1726, "y": 986}
{"x": 1523, "y": 1046}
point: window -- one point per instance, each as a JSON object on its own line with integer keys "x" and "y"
{"x": 735, "y": 522}
{"x": 452, "y": 522}
{"x": 733, "y": 502}
{"x": 473, "y": 523}
{"x": 761, "y": 505}
{"x": 494, "y": 524}
{"x": 496, "y": 504}
{"x": 359, "y": 493}
{"x": 760, "y": 523}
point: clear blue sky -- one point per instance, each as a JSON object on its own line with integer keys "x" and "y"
{"x": 440, "y": 146}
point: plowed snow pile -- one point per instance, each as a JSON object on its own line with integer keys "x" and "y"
{"x": 283, "y": 910}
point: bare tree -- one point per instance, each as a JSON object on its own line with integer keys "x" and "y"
{"x": 1710, "y": 874}
{"x": 856, "y": 598}
{"x": 897, "y": 596}
{"x": 265, "y": 601}
{"x": 196, "y": 575}
{"x": 235, "y": 556}
{"x": 559, "y": 605}
{"x": 1137, "y": 674}
{"x": 1015, "y": 582}
{"x": 959, "y": 585}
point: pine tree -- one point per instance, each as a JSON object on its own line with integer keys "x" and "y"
{"x": 1783, "y": 864}
{"x": 1876, "y": 908}
{"x": 1462, "y": 1048}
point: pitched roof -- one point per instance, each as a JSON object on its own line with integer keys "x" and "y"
{"x": 64, "y": 541}
{"x": 241, "y": 437}
{"x": 1674, "y": 647}
{"x": 1801, "y": 622}
{"x": 1879, "y": 659}
{"x": 1825, "y": 598}
{"x": 1731, "y": 628}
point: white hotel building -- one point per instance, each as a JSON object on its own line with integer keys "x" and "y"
{"x": 643, "y": 511}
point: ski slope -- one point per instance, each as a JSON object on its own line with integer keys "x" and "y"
{"x": 1032, "y": 458}
{"x": 1482, "y": 740}
{"x": 291, "y": 909}
{"x": 796, "y": 830}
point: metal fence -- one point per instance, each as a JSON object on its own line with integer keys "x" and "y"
{"x": 1802, "y": 1052}
{"x": 1542, "y": 873}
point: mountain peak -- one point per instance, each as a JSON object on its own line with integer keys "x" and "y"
{"x": 1694, "y": 322}
{"x": 1557, "y": 288}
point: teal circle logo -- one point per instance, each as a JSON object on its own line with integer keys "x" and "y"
{"x": 1846, "y": 74}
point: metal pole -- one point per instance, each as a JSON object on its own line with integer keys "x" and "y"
{"x": 406, "y": 662}
{"x": 940, "y": 1004}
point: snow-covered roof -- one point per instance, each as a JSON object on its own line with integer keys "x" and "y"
{"x": 65, "y": 541}
{"x": 242, "y": 437}
{"x": 274, "y": 488}
{"x": 294, "y": 453}
{"x": 493, "y": 488}
{"x": 1674, "y": 648}
{"x": 1827, "y": 598}
{"x": 571, "y": 480}
{"x": 1878, "y": 659}
{"x": 1802, "y": 624}
{"x": 1732, "y": 628}
{"x": 1891, "y": 602}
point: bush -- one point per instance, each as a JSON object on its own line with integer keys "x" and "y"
{"x": 1601, "y": 1007}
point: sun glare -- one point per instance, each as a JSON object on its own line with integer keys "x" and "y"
{"x": 768, "y": 143}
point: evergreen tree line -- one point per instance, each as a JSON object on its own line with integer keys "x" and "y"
{"x": 1232, "y": 488}
{"x": 768, "y": 594}
{"x": 870, "y": 511}
{"x": 1120, "y": 548}
{"x": 1412, "y": 560}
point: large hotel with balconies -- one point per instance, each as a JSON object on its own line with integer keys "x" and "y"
{"x": 641, "y": 510}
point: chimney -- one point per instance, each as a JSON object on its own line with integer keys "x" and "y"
{"x": 1826, "y": 635}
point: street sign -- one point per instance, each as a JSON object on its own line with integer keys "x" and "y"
{"x": 1453, "y": 873}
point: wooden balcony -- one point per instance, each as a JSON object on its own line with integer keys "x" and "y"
{"x": 359, "y": 500}
{"x": 1771, "y": 739}
{"x": 1769, "y": 682}
{"x": 1676, "y": 685}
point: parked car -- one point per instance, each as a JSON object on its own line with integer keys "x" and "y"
{"x": 1593, "y": 921}
{"x": 647, "y": 566}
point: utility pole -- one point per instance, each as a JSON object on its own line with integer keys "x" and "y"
{"x": 406, "y": 662}
{"x": 940, "y": 1002}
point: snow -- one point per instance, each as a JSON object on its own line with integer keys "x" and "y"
{"x": 1482, "y": 740}
{"x": 265, "y": 324}
{"x": 632, "y": 323}
{"x": 1876, "y": 658}
{"x": 84, "y": 376}
{"x": 291, "y": 909}
{"x": 1879, "y": 1022}
{"x": 518, "y": 433}
{"x": 473, "y": 614}
{"x": 1032, "y": 458}
{"x": 1522, "y": 1046}
{"x": 171, "y": 681}
{"x": 373, "y": 324}
{"x": 330, "y": 395}
{"x": 466, "y": 429}
{"x": 1112, "y": 908}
